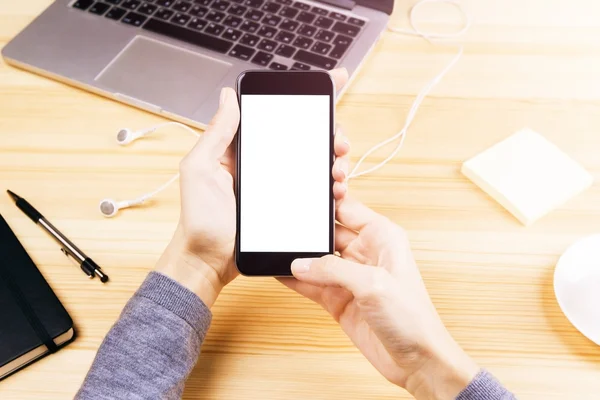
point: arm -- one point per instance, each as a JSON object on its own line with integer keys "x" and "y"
{"x": 154, "y": 345}
{"x": 485, "y": 387}
{"x": 375, "y": 291}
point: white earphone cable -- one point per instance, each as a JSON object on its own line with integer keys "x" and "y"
{"x": 424, "y": 92}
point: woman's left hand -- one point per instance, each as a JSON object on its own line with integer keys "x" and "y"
{"x": 201, "y": 253}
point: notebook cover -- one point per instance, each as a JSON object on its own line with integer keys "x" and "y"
{"x": 17, "y": 337}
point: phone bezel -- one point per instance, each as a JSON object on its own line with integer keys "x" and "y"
{"x": 278, "y": 83}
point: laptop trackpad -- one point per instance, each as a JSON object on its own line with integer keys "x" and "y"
{"x": 170, "y": 77}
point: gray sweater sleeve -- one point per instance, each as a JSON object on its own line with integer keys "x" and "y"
{"x": 152, "y": 348}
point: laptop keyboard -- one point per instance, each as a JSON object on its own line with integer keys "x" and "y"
{"x": 277, "y": 34}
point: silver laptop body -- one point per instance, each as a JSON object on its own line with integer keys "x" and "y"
{"x": 172, "y": 57}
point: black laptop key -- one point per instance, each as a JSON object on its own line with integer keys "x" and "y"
{"x": 134, "y": 19}
{"x": 131, "y": 4}
{"x": 289, "y": 25}
{"x": 342, "y": 40}
{"x": 231, "y": 34}
{"x": 285, "y": 51}
{"x": 237, "y": 1}
{"x": 284, "y": 2}
{"x": 204, "y": 3}
{"x": 346, "y": 29}
{"x": 271, "y": 7}
{"x": 338, "y": 51}
{"x": 337, "y": 15}
{"x": 321, "y": 48}
{"x": 164, "y": 13}
{"x": 302, "y": 6}
{"x": 214, "y": 16}
{"x": 182, "y": 6}
{"x": 115, "y": 13}
{"x": 300, "y": 66}
{"x": 147, "y": 9}
{"x": 188, "y": 35}
{"x": 289, "y": 12}
{"x": 115, "y": 2}
{"x": 278, "y": 67}
{"x": 324, "y": 35}
{"x": 165, "y": 3}
{"x": 232, "y": 21}
{"x": 241, "y": 52}
{"x": 249, "y": 26}
{"x": 302, "y": 42}
{"x": 220, "y": 5}
{"x": 253, "y": 3}
{"x": 83, "y": 4}
{"x": 315, "y": 59}
{"x": 267, "y": 31}
{"x": 306, "y": 17}
{"x": 285, "y": 37}
{"x": 254, "y": 15}
{"x": 271, "y": 19}
{"x": 356, "y": 21}
{"x": 307, "y": 30}
{"x": 249, "y": 40}
{"x": 99, "y": 8}
{"x": 320, "y": 11}
{"x": 323, "y": 22}
{"x": 197, "y": 23}
{"x": 237, "y": 10}
{"x": 267, "y": 45}
{"x": 262, "y": 58}
{"x": 214, "y": 29}
{"x": 180, "y": 19}
{"x": 198, "y": 11}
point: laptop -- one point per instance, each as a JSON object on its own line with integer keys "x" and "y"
{"x": 172, "y": 57}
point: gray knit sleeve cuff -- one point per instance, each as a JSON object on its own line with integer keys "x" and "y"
{"x": 485, "y": 387}
{"x": 169, "y": 294}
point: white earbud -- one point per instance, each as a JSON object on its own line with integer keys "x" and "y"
{"x": 109, "y": 207}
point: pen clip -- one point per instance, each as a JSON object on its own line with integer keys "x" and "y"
{"x": 68, "y": 255}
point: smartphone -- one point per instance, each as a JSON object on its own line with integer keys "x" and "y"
{"x": 285, "y": 204}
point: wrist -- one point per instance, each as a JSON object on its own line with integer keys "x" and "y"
{"x": 190, "y": 271}
{"x": 444, "y": 375}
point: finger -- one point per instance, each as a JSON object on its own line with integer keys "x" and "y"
{"x": 340, "y": 169}
{"x": 340, "y": 77}
{"x": 340, "y": 189}
{"x": 354, "y": 214}
{"x": 335, "y": 271}
{"x": 307, "y": 290}
{"x": 341, "y": 144}
{"x": 343, "y": 237}
{"x": 222, "y": 127}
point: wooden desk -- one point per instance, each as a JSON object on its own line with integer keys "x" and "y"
{"x": 527, "y": 63}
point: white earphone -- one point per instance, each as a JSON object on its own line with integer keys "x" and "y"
{"x": 110, "y": 207}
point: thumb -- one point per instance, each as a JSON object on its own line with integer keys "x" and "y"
{"x": 222, "y": 128}
{"x": 331, "y": 270}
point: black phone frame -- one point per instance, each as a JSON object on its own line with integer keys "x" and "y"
{"x": 278, "y": 83}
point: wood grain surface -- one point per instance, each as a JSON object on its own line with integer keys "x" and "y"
{"x": 531, "y": 63}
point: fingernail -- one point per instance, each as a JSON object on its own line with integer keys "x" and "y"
{"x": 342, "y": 172}
{"x": 223, "y": 97}
{"x": 300, "y": 266}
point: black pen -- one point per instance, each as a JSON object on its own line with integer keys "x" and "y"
{"x": 87, "y": 265}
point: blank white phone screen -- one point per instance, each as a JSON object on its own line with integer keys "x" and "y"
{"x": 285, "y": 173}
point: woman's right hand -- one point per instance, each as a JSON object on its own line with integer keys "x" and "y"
{"x": 376, "y": 293}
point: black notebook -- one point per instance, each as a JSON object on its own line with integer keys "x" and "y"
{"x": 33, "y": 322}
